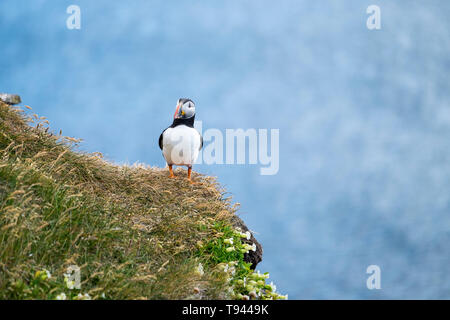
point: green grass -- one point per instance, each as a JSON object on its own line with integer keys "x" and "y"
{"x": 134, "y": 233}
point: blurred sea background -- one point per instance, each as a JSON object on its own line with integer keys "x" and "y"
{"x": 364, "y": 119}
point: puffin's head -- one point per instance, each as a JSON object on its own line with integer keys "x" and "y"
{"x": 185, "y": 109}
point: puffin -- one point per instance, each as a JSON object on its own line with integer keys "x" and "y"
{"x": 181, "y": 142}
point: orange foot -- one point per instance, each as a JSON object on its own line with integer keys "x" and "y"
{"x": 171, "y": 172}
{"x": 189, "y": 176}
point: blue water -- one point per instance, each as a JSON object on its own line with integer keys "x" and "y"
{"x": 364, "y": 119}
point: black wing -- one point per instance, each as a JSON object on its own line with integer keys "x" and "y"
{"x": 201, "y": 141}
{"x": 160, "y": 142}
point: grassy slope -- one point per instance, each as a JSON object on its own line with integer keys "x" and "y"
{"x": 133, "y": 232}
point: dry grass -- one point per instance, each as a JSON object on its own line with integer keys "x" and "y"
{"x": 133, "y": 231}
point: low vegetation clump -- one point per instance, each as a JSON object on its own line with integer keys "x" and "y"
{"x": 75, "y": 226}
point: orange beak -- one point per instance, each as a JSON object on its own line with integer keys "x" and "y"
{"x": 176, "y": 111}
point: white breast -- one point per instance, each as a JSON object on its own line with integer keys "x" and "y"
{"x": 181, "y": 145}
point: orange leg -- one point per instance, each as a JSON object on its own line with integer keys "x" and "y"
{"x": 189, "y": 174}
{"x": 171, "y": 172}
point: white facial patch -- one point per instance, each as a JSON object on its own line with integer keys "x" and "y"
{"x": 188, "y": 110}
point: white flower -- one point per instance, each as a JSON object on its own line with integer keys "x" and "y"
{"x": 229, "y": 249}
{"x": 247, "y": 235}
{"x": 231, "y": 269}
{"x": 200, "y": 270}
{"x": 249, "y": 247}
{"x": 61, "y": 296}
{"x": 69, "y": 283}
{"x": 42, "y": 274}
{"x": 279, "y": 296}
{"x": 83, "y": 296}
{"x": 273, "y": 287}
{"x": 49, "y": 275}
{"x": 228, "y": 241}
